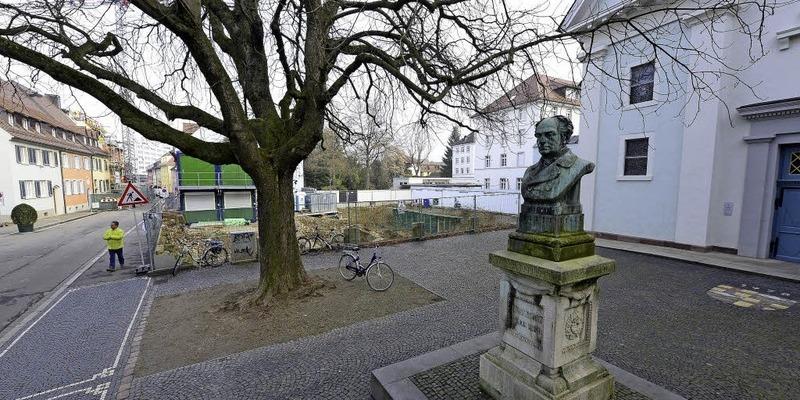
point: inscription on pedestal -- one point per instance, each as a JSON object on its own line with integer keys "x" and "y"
{"x": 526, "y": 320}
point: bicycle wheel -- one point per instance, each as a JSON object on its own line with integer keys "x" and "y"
{"x": 337, "y": 241}
{"x": 215, "y": 256}
{"x": 345, "y": 261}
{"x": 305, "y": 244}
{"x": 380, "y": 276}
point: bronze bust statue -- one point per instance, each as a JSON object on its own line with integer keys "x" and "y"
{"x": 551, "y": 187}
{"x": 556, "y": 177}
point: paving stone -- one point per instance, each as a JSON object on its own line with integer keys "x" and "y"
{"x": 656, "y": 322}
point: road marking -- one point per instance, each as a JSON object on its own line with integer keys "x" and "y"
{"x": 31, "y": 326}
{"x": 102, "y": 374}
{"x": 747, "y": 298}
{"x": 107, "y": 372}
{"x": 101, "y": 390}
{"x": 130, "y": 326}
{"x": 14, "y": 327}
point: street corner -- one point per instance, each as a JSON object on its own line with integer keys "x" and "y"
{"x": 755, "y": 297}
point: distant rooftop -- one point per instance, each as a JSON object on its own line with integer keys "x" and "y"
{"x": 536, "y": 87}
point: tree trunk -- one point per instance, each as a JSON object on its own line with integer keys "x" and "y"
{"x": 279, "y": 256}
{"x": 366, "y": 175}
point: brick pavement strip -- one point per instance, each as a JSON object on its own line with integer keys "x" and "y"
{"x": 75, "y": 347}
{"x": 656, "y": 322}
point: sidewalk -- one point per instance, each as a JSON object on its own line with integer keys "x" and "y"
{"x": 48, "y": 221}
{"x": 759, "y": 266}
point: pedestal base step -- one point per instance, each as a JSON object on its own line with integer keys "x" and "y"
{"x": 451, "y": 373}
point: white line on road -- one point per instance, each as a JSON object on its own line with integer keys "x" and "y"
{"x": 130, "y": 326}
{"x": 31, "y": 326}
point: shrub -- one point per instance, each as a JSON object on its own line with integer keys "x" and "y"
{"x": 24, "y": 214}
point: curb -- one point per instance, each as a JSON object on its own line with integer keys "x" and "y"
{"x": 48, "y": 226}
{"x": 706, "y": 264}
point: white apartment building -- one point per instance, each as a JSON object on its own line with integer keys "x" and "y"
{"x": 722, "y": 173}
{"x": 497, "y": 157}
{"x": 464, "y": 158}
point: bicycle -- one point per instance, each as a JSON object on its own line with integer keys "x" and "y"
{"x": 213, "y": 253}
{"x": 308, "y": 244}
{"x": 380, "y": 276}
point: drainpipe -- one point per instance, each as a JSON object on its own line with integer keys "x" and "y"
{"x": 63, "y": 189}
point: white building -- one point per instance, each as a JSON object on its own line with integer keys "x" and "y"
{"x": 147, "y": 152}
{"x": 497, "y": 157}
{"x": 722, "y": 173}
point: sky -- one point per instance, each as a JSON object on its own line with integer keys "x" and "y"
{"x": 76, "y": 100}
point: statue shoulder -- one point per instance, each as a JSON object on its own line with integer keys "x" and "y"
{"x": 584, "y": 166}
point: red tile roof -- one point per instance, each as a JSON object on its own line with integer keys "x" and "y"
{"x": 536, "y": 87}
{"x": 18, "y": 99}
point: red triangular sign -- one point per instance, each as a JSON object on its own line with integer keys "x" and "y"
{"x": 131, "y": 196}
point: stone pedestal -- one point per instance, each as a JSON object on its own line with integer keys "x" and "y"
{"x": 548, "y": 322}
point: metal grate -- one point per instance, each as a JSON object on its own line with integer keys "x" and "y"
{"x": 794, "y": 164}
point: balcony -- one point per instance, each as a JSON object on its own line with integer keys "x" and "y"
{"x": 226, "y": 178}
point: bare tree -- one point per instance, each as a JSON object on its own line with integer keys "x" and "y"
{"x": 268, "y": 74}
{"x": 370, "y": 135}
{"x": 416, "y": 146}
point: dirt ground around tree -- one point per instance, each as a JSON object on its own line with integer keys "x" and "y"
{"x": 191, "y": 327}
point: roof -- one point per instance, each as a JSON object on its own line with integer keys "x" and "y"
{"x": 465, "y": 140}
{"x": 21, "y": 100}
{"x": 536, "y": 87}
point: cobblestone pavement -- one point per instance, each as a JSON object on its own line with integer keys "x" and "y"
{"x": 459, "y": 380}
{"x": 74, "y": 349}
{"x": 656, "y": 321}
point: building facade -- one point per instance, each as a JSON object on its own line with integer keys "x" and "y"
{"x": 35, "y": 134}
{"x": 496, "y": 158}
{"x": 76, "y": 169}
{"x": 210, "y": 192}
{"x": 722, "y": 173}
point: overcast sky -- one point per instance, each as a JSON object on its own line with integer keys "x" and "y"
{"x": 75, "y": 100}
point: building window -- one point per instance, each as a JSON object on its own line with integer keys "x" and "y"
{"x": 45, "y": 157}
{"x": 503, "y": 160}
{"x": 519, "y": 184}
{"x": 55, "y": 157}
{"x": 31, "y": 189}
{"x": 68, "y": 187}
{"x": 31, "y": 155}
{"x": 18, "y": 120}
{"x": 22, "y": 155}
{"x": 467, "y": 148}
{"x": 642, "y": 78}
{"x": 488, "y": 161}
{"x": 486, "y": 183}
{"x": 635, "y": 163}
{"x": 86, "y": 164}
{"x": 467, "y": 169}
{"x": 503, "y": 183}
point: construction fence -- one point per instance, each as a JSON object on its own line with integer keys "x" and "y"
{"x": 391, "y": 220}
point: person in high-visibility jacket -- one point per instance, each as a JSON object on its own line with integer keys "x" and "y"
{"x": 115, "y": 242}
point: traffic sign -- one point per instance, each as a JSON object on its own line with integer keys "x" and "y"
{"x": 131, "y": 196}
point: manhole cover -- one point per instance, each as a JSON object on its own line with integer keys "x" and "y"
{"x": 749, "y": 298}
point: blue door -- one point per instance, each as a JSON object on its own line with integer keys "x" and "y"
{"x": 786, "y": 243}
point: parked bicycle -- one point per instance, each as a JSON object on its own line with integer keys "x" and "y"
{"x": 380, "y": 276}
{"x": 208, "y": 252}
{"x": 307, "y": 244}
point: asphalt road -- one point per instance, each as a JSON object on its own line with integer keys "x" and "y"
{"x": 33, "y": 264}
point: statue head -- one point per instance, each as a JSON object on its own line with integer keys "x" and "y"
{"x": 552, "y": 135}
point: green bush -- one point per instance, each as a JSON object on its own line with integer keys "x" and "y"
{"x": 24, "y": 214}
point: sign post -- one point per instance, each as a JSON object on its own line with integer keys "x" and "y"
{"x": 132, "y": 196}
